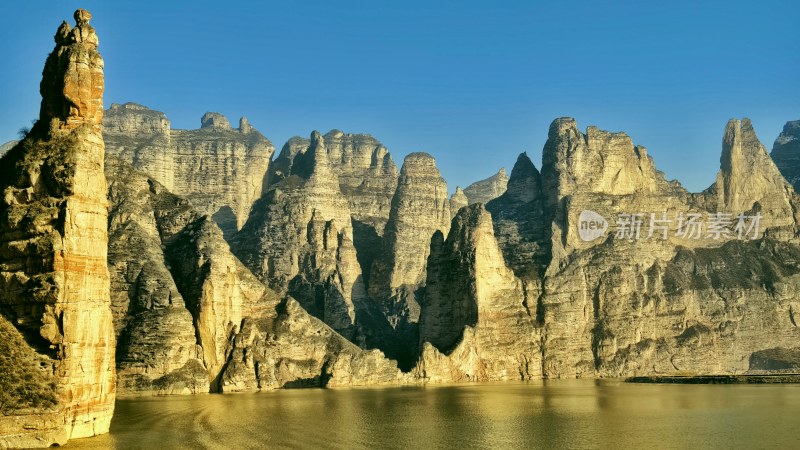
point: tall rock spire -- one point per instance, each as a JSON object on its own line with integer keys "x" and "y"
{"x": 54, "y": 280}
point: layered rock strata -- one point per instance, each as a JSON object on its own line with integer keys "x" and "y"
{"x": 298, "y": 240}
{"x": 486, "y": 190}
{"x": 476, "y": 323}
{"x": 786, "y": 152}
{"x": 54, "y": 279}
{"x": 420, "y": 208}
{"x": 220, "y": 170}
{"x": 191, "y": 318}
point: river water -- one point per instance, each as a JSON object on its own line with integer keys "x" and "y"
{"x": 558, "y": 414}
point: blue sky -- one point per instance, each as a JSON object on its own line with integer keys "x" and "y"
{"x": 473, "y": 83}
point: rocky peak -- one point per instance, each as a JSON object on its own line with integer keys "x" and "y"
{"x": 747, "y": 174}
{"x": 485, "y": 190}
{"x": 525, "y": 184}
{"x": 244, "y": 125}
{"x": 420, "y": 207}
{"x": 131, "y": 119}
{"x": 214, "y": 120}
{"x": 54, "y": 212}
{"x": 457, "y": 201}
{"x": 598, "y": 161}
{"x": 474, "y": 323}
{"x": 786, "y": 152}
{"x": 72, "y": 80}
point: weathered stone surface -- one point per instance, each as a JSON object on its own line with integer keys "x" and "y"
{"x": 295, "y": 349}
{"x": 367, "y": 178}
{"x": 786, "y": 152}
{"x": 489, "y": 189}
{"x": 476, "y": 323}
{"x": 220, "y": 170}
{"x": 420, "y": 208}
{"x": 749, "y": 181}
{"x": 229, "y": 332}
{"x": 622, "y": 305}
{"x": 54, "y": 281}
{"x": 298, "y": 240}
{"x": 457, "y": 201}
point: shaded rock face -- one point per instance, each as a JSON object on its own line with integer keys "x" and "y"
{"x": 519, "y": 217}
{"x": 365, "y": 170}
{"x": 54, "y": 281}
{"x": 177, "y": 292}
{"x": 367, "y": 178}
{"x": 475, "y": 323}
{"x": 786, "y": 152}
{"x": 420, "y": 208}
{"x": 750, "y": 181}
{"x": 219, "y": 169}
{"x": 298, "y": 239}
{"x": 489, "y": 189}
{"x": 191, "y": 318}
{"x": 620, "y": 305}
{"x": 7, "y": 146}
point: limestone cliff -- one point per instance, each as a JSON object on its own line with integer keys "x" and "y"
{"x": 298, "y": 240}
{"x": 489, "y": 189}
{"x": 191, "y": 318}
{"x": 749, "y": 181}
{"x": 219, "y": 169}
{"x": 54, "y": 280}
{"x": 786, "y": 152}
{"x": 420, "y": 208}
{"x": 366, "y": 172}
{"x": 475, "y": 324}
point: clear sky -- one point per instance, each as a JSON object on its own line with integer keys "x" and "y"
{"x": 473, "y": 83}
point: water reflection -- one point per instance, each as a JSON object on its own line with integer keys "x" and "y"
{"x": 574, "y": 414}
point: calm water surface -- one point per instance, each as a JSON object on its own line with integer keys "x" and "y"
{"x": 571, "y": 414}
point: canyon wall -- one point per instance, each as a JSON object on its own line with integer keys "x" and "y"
{"x": 221, "y": 170}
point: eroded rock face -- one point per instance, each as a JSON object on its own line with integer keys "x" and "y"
{"x": 420, "y": 208}
{"x": 457, "y": 201}
{"x": 475, "y": 323}
{"x": 786, "y": 152}
{"x": 219, "y": 169}
{"x": 486, "y": 190}
{"x": 749, "y": 181}
{"x": 54, "y": 281}
{"x": 192, "y": 318}
{"x": 299, "y": 240}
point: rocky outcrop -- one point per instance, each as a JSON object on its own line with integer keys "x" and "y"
{"x": 54, "y": 281}
{"x": 420, "y": 208}
{"x": 365, "y": 170}
{"x": 457, "y": 201}
{"x": 786, "y": 152}
{"x": 476, "y": 323}
{"x": 298, "y": 240}
{"x": 489, "y": 189}
{"x": 219, "y": 169}
{"x": 749, "y": 181}
{"x": 520, "y": 221}
{"x": 192, "y": 318}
